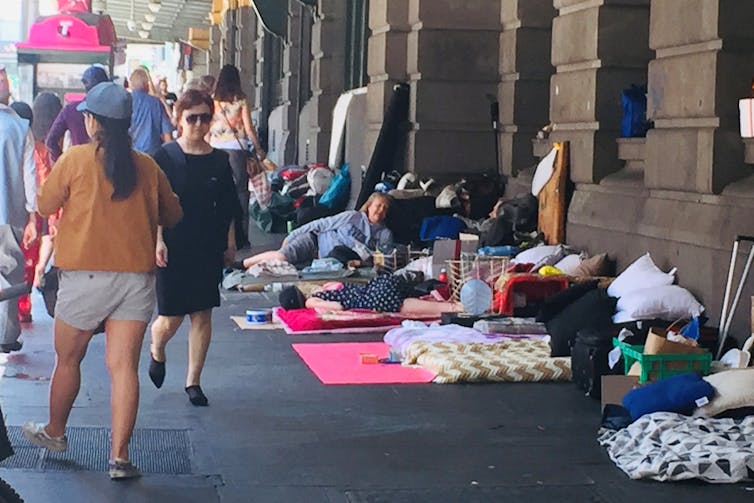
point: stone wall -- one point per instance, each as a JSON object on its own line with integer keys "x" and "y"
{"x": 685, "y": 192}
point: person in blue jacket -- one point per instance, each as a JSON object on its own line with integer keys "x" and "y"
{"x": 361, "y": 231}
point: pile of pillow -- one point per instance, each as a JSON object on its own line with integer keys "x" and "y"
{"x": 565, "y": 259}
{"x": 645, "y": 292}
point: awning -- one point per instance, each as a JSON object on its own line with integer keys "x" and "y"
{"x": 273, "y": 14}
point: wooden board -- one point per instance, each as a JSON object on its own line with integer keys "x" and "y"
{"x": 552, "y": 198}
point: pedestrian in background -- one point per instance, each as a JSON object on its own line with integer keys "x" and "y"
{"x": 191, "y": 256}
{"x": 71, "y": 120}
{"x": 150, "y": 124}
{"x": 112, "y": 199}
{"x": 18, "y": 191}
{"x": 233, "y": 131}
{"x": 46, "y": 108}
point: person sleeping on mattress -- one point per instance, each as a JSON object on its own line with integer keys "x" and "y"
{"x": 361, "y": 231}
{"x": 386, "y": 293}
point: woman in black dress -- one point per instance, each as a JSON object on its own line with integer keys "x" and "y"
{"x": 190, "y": 256}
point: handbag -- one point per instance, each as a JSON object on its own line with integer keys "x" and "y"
{"x": 253, "y": 164}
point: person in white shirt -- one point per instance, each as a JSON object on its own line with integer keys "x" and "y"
{"x": 18, "y": 194}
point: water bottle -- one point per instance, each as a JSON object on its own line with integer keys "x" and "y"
{"x": 498, "y": 251}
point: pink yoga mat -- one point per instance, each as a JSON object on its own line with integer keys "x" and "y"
{"x": 339, "y": 363}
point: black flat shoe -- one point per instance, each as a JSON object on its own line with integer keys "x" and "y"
{"x": 156, "y": 371}
{"x": 196, "y": 396}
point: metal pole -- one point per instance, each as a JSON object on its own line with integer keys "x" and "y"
{"x": 737, "y": 297}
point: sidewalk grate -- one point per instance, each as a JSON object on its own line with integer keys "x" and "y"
{"x": 152, "y": 450}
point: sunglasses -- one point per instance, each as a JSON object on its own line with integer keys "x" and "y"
{"x": 203, "y": 118}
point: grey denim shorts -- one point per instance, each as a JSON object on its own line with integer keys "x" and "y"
{"x": 87, "y": 298}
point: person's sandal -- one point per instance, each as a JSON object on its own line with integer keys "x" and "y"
{"x": 197, "y": 396}
{"x": 156, "y": 371}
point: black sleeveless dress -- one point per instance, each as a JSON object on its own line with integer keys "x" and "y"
{"x": 204, "y": 184}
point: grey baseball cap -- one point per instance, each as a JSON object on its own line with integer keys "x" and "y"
{"x": 107, "y": 99}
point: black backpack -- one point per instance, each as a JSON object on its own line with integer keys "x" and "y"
{"x": 589, "y": 360}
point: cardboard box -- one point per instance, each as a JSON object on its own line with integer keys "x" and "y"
{"x": 451, "y": 249}
{"x": 614, "y": 388}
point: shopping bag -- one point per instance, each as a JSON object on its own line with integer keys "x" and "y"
{"x": 259, "y": 185}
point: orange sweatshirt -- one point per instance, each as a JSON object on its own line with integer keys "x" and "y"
{"x": 97, "y": 233}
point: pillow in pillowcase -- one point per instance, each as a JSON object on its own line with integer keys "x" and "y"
{"x": 643, "y": 273}
{"x": 569, "y": 264}
{"x": 733, "y": 389}
{"x": 536, "y": 254}
{"x": 593, "y": 266}
{"x": 669, "y": 302}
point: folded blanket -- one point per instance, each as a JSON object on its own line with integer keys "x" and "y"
{"x": 400, "y": 337}
{"x": 516, "y": 360}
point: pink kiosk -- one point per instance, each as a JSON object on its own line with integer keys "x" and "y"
{"x": 61, "y": 47}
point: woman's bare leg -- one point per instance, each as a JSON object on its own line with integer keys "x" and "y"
{"x": 317, "y": 303}
{"x": 263, "y": 257}
{"x": 418, "y": 306}
{"x": 200, "y": 334}
{"x": 70, "y": 349}
{"x": 163, "y": 329}
{"x": 122, "y": 350}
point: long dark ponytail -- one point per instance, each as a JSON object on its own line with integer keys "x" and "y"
{"x": 115, "y": 140}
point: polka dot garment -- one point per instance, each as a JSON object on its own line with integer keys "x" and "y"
{"x": 384, "y": 294}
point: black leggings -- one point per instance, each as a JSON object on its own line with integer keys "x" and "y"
{"x": 238, "y": 166}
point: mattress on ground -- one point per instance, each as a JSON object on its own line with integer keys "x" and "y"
{"x": 310, "y": 321}
{"x": 668, "y": 446}
{"x": 512, "y": 361}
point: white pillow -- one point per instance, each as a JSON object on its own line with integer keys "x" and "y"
{"x": 734, "y": 389}
{"x": 669, "y": 302}
{"x": 643, "y": 273}
{"x": 536, "y": 254}
{"x": 569, "y": 265}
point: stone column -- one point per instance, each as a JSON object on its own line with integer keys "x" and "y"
{"x": 387, "y": 56}
{"x": 246, "y": 52}
{"x": 215, "y": 50}
{"x": 453, "y": 54}
{"x": 705, "y": 61}
{"x": 599, "y": 47}
{"x": 327, "y": 80}
{"x": 290, "y": 82}
{"x": 525, "y": 71}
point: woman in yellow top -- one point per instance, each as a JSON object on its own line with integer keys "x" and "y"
{"x": 113, "y": 198}
{"x": 232, "y": 130}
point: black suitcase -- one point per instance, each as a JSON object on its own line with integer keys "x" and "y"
{"x": 589, "y": 360}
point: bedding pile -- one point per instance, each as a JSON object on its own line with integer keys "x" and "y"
{"x": 668, "y": 446}
{"x": 512, "y": 360}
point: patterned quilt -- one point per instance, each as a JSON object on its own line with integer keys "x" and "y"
{"x": 515, "y": 361}
{"x": 668, "y": 446}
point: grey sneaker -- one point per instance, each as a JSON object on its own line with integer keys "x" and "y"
{"x": 36, "y": 434}
{"x": 121, "y": 469}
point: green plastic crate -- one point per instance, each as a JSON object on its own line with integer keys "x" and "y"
{"x": 656, "y": 365}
